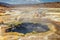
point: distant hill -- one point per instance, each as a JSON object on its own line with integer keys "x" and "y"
{"x": 43, "y": 5}
{"x": 4, "y": 4}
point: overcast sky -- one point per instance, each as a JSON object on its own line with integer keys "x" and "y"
{"x": 27, "y": 1}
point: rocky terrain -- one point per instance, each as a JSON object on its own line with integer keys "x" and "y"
{"x": 9, "y": 17}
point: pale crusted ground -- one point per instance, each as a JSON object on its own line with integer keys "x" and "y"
{"x": 50, "y": 35}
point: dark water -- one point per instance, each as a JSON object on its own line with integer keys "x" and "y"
{"x": 28, "y": 27}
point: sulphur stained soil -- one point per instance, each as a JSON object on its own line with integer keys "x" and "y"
{"x": 16, "y": 17}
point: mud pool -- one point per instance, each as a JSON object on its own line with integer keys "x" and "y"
{"x": 28, "y": 27}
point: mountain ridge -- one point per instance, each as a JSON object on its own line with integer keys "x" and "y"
{"x": 47, "y": 5}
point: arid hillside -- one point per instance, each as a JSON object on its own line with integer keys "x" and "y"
{"x": 41, "y": 5}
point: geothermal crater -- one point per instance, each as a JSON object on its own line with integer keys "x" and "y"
{"x": 28, "y": 27}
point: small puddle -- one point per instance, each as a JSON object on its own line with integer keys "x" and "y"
{"x": 28, "y": 27}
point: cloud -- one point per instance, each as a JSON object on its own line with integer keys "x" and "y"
{"x": 20, "y": 1}
{"x": 24, "y": 1}
{"x": 33, "y": 0}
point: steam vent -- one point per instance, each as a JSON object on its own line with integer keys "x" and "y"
{"x": 30, "y": 21}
